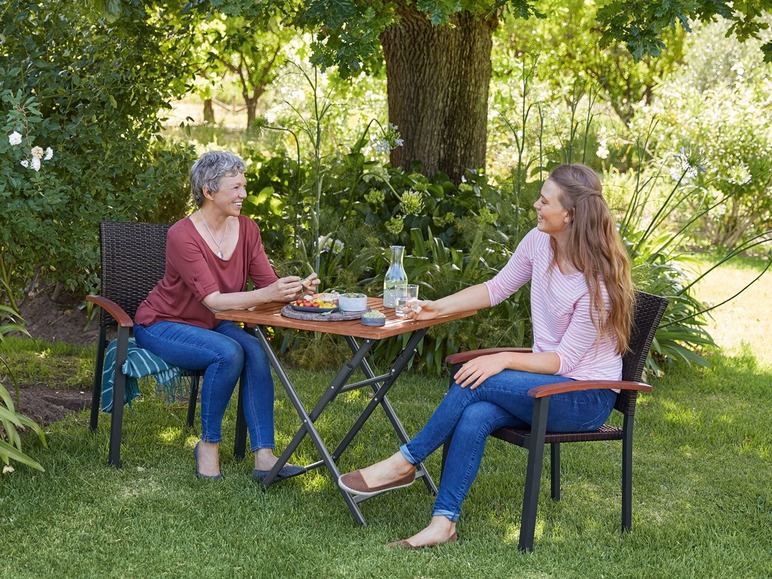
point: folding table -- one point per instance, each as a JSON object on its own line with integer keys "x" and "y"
{"x": 360, "y": 339}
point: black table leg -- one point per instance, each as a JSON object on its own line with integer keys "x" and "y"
{"x": 337, "y": 386}
{"x": 307, "y": 427}
{"x": 379, "y": 397}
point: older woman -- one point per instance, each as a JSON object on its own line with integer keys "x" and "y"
{"x": 581, "y": 307}
{"x": 209, "y": 256}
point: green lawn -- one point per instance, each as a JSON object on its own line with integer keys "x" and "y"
{"x": 702, "y": 503}
{"x": 702, "y": 498}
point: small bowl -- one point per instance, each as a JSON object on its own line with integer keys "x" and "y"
{"x": 373, "y": 318}
{"x": 352, "y": 302}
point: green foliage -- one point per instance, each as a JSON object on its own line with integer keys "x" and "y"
{"x": 640, "y": 24}
{"x": 567, "y": 46}
{"x": 655, "y": 248}
{"x": 716, "y": 113}
{"x": 87, "y": 92}
{"x": 249, "y": 51}
{"x": 11, "y": 421}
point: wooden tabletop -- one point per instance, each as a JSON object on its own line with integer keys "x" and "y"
{"x": 270, "y": 315}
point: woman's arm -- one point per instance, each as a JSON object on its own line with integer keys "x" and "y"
{"x": 472, "y": 298}
{"x": 284, "y": 289}
{"x": 476, "y": 371}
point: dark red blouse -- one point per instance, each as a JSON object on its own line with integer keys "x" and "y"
{"x": 193, "y": 272}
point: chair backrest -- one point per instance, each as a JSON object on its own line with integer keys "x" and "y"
{"x": 133, "y": 260}
{"x": 648, "y": 313}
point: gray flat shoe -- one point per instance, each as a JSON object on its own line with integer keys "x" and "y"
{"x": 286, "y": 471}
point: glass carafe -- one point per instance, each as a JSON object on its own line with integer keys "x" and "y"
{"x": 395, "y": 277}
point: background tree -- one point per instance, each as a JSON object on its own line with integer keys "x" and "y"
{"x": 568, "y": 48}
{"x": 438, "y": 56}
{"x": 249, "y": 51}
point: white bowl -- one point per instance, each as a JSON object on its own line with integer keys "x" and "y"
{"x": 352, "y": 302}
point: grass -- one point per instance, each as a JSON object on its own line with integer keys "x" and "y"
{"x": 702, "y": 502}
{"x": 741, "y": 325}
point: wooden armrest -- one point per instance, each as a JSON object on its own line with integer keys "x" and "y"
{"x": 461, "y": 357}
{"x": 562, "y": 387}
{"x": 116, "y": 311}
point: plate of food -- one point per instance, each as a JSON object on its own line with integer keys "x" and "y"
{"x": 318, "y": 304}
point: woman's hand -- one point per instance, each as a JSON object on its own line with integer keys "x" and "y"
{"x": 309, "y": 285}
{"x": 427, "y": 311}
{"x": 285, "y": 289}
{"x": 476, "y": 371}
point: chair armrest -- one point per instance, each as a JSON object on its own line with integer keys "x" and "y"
{"x": 116, "y": 311}
{"x": 461, "y": 357}
{"x": 562, "y": 387}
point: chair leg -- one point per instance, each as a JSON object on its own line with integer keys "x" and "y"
{"x": 194, "y": 381}
{"x": 555, "y": 470}
{"x": 240, "y": 444}
{"x": 96, "y": 392}
{"x": 533, "y": 474}
{"x": 627, "y": 474}
{"x": 119, "y": 393}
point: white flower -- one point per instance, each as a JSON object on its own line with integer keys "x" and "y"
{"x": 381, "y": 146}
{"x": 14, "y": 138}
{"x": 35, "y": 163}
{"x": 36, "y": 152}
{"x": 49, "y": 154}
{"x": 602, "y": 151}
{"x": 7, "y": 469}
{"x": 24, "y": 163}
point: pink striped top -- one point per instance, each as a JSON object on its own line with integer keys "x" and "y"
{"x": 560, "y": 311}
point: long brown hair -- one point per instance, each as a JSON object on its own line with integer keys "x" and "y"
{"x": 595, "y": 248}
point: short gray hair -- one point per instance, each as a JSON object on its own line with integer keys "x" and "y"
{"x": 210, "y": 169}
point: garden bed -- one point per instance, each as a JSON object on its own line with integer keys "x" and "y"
{"x": 54, "y": 321}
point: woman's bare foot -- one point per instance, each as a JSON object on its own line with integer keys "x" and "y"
{"x": 441, "y": 530}
{"x": 208, "y": 458}
{"x": 386, "y": 471}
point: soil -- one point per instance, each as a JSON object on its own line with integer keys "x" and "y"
{"x": 55, "y": 320}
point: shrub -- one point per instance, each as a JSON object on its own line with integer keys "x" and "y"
{"x": 89, "y": 91}
{"x": 717, "y": 109}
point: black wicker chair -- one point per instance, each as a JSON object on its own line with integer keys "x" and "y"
{"x": 648, "y": 313}
{"x": 133, "y": 260}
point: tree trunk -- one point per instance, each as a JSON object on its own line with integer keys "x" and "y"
{"x": 251, "y": 103}
{"x": 438, "y": 79}
{"x": 208, "y": 111}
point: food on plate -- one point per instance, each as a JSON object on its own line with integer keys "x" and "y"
{"x": 315, "y": 302}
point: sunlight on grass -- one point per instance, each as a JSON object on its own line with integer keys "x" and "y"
{"x": 743, "y": 323}
{"x": 680, "y": 416}
{"x": 314, "y": 482}
{"x": 169, "y": 435}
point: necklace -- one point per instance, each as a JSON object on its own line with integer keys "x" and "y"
{"x": 219, "y": 248}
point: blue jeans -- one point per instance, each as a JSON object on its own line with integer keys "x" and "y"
{"x": 225, "y": 353}
{"x": 466, "y": 418}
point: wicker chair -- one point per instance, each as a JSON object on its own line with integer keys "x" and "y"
{"x": 648, "y": 313}
{"x": 133, "y": 258}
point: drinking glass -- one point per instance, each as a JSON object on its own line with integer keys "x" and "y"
{"x": 405, "y": 299}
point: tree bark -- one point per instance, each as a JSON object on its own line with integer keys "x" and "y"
{"x": 208, "y": 111}
{"x": 438, "y": 80}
